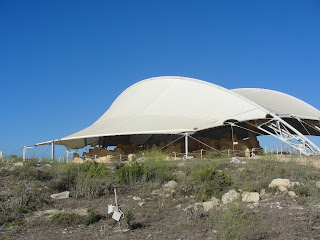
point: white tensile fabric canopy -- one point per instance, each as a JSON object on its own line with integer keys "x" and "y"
{"x": 173, "y": 105}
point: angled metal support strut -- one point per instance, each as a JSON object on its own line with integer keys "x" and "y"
{"x": 283, "y": 131}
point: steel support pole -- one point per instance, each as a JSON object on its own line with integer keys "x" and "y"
{"x": 24, "y": 153}
{"x": 52, "y": 150}
{"x": 186, "y": 144}
{"x": 234, "y": 153}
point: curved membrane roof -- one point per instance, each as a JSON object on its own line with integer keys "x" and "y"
{"x": 173, "y": 105}
{"x": 280, "y": 103}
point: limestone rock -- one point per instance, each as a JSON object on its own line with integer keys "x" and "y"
{"x": 283, "y": 189}
{"x": 280, "y": 182}
{"x": 215, "y": 201}
{"x": 247, "y": 153}
{"x": 179, "y": 206}
{"x": 104, "y": 159}
{"x": 250, "y": 197}
{"x": 230, "y": 196}
{"x": 210, "y": 204}
{"x": 292, "y": 194}
{"x": 131, "y": 157}
{"x": 170, "y": 185}
{"x": 18, "y": 164}
{"x": 78, "y": 160}
{"x": 207, "y": 206}
{"x": 62, "y": 195}
{"x": 136, "y": 198}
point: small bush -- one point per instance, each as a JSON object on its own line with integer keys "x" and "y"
{"x": 146, "y": 171}
{"x": 93, "y": 169}
{"x": 66, "y": 219}
{"x": 302, "y": 191}
{"x": 91, "y": 218}
{"x": 210, "y": 182}
{"x": 234, "y": 222}
{"x": 89, "y": 187}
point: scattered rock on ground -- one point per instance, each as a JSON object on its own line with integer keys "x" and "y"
{"x": 230, "y": 196}
{"x": 250, "y": 197}
{"x": 210, "y": 204}
{"x": 280, "y": 182}
{"x": 292, "y": 194}
{"x": 18, "y": 164}
{"x": 136, "y": 198}
{"x": 283, "y": 189}
{"x": 131, "y": 157}
{"x": 170, "y": 185}
{"x": 179, "y": 206}
{"x": 318, "y": 184}
{"x": 62, "y": 195}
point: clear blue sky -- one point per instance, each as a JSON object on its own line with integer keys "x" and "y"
{"x": 62, "y": 63}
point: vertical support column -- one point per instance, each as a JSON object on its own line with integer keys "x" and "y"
{"x": 234, "y": 153}
{"x": 24, "y": 153}
{"x": 52, "y": 150}
{"x": 186, "y": 144}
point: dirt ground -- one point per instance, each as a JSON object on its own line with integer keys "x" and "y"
{"x": 150, "y": 215}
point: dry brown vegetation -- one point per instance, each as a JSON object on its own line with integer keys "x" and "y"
{"x": 152, "y": 212}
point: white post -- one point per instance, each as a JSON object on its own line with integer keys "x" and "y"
{"x": 234, "y": 153}
{"x": 186, "y": 144}
{"x": 24, "y": 153}
{"x": 281, "y": 150}
{"x": 201, "y": 153}
{"x": 52, "y": 150}
{"x": 265, "y": 149}
{"x": 175, "y": 155}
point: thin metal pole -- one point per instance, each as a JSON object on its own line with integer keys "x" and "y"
{"x": 52, "y": 150}
{"x": 186, "y": 144}
{"x": 175, "y": 155}
{"x": 234, "y": 154}
{"x": 24, "y": 153}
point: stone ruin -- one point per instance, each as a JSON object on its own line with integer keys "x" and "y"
{"x": 242, "y": 148}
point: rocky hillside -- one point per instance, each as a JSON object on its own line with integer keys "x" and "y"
{"x": 185, "y": 199}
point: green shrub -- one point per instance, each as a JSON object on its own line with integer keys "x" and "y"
{"x": 89, "y": 187}
{"x": 302, "y": 191}
{"x": 146, "y": 171}
{"x": 210, "y": 182}
{"x": 233, "y": 222}
{"x": 155, "y": 155}
{"x": 93, "y": 169}
{"x": 12, "y": 224}
{"x": 66, "y": 219}
{"x": 29, "y": 172}
{"x": 92, "y": 217}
